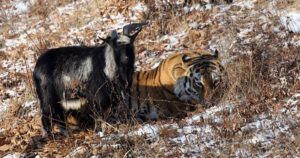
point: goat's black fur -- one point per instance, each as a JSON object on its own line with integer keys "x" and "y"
{"x": 101, "y": 75}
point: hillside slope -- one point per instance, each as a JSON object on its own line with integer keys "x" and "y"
{"x": 259, "y": 43}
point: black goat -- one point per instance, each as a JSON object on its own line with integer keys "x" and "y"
{"x": 89, "y": 78}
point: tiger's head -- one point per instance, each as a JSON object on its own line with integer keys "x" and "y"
{"x": 197, "y": 78}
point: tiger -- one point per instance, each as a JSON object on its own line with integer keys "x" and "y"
{"x": 174, "y": 87}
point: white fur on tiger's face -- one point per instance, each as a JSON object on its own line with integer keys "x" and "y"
{"x": 203, "y": 77}
{"x": 180, "y": 80}
{"x": 186, "y": 91}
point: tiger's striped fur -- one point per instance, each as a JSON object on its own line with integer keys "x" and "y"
{"x": 176, "y": 85}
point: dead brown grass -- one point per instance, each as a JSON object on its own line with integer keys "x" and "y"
{"x": 43, "y": 8}
{"x": 255, "y": 81}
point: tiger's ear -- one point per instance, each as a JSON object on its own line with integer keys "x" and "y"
{"x": 181, "y": 66}
{"x": 178, "y": 71}
{"x": 185, "y": 58}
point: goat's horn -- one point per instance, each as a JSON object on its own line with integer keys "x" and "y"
{"x": 113, "y": 34}
{"x": 133, "y": 27}
{"x": 104, "y": 39}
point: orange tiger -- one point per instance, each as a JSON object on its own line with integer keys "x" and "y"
{"x": 176, "y": 85}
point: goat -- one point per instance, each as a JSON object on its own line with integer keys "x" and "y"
{"x": 86, "y": 79}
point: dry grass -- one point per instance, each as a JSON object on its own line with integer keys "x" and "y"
{"x": 257, "y": 81}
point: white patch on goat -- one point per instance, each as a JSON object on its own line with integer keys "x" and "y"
{"x": 66, "y": 79}
{"x": 73, "y": 104}
{"x": 123, "y": 40}
{"x": 85, "y": 69}
{"x": 81, "y": 74}
{"x": 110, "y": 63}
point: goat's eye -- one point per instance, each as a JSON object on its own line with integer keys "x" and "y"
{"x": 121, "y": 43}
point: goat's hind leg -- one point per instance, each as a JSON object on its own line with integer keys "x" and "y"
{"x": 51, "y": 117}
{"x": 44, "y": 105}
{"x": 46, "y": 117}
{"x": 51, "y": 110}
{"x": 59, "y": 119}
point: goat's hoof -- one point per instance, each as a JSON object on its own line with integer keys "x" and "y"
{"x": 64, "y": 132}
{"x": 45, "y": 134}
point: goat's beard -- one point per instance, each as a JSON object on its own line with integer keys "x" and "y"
{"x": 121, "y": 91}
{"x": 125, "y": 98}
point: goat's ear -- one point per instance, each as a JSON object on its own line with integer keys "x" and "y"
{"x": 106, "y": 40}
{"x": 137, "y": 27}
{"x": 113, "y": 34}
{"x": 132, "y": 37}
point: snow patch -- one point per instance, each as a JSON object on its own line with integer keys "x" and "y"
{"x": 30, "y": 106}
{"x": 242, "y": 152}
{"x": 172, "y": 40}
{"x": 77, "y": 152}
{"x": 246, "y": 4}
{"x": 22, "y": 7}
{"x": 121, "y": 21}
{"x": 292, "y": 21}
{"x": 12, "y": 43}
{"x": 66, "y": 10}
{"x": 14, "y": 155}
{"x": 149, "y": 130}
{"x": 11, "y": 93}
{"x": 194, "y": 139}
{"x": 3, "y": 109}
{"x": 210, "y": 113}
{"x": 140, "y": 7}
{"x": 100, "y": 134}
{"x": 194, "y": 7}
{"x": 244, "y": 32}
{"x": 3, "y": 74}
{"x": 138, "y": 10}
{"x": 269, "y": 129}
